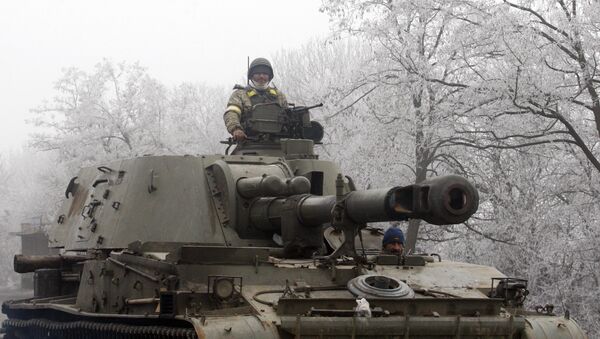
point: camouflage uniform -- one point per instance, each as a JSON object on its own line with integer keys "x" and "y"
{"x": 242, "y": 100}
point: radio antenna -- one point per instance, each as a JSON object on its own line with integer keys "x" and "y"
{"x": 247, "y": 70}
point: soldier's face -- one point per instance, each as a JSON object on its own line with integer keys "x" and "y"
{"x": 394, "y": 248}
{"x": 260, "y": 78}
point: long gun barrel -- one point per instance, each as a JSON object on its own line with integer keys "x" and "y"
{"x": 443, "y": 200}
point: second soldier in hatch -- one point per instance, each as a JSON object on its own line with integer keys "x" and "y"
{"x": 393, "y": 241}
{"x": 258, "y": 91}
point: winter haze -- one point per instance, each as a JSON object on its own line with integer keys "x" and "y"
{"x": 178, "y": 41}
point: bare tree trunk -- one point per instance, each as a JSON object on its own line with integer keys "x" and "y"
{"x": 421, "y": 164}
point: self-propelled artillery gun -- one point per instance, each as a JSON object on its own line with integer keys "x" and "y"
{"x": 269, "y": 241}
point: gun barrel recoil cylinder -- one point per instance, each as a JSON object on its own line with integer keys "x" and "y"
{"x": 272, "y": 186}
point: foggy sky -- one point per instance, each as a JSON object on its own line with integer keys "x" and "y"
{"x": 196, "y": 41}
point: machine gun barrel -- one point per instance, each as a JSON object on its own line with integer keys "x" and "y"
{"x": 443, "y": 200}
{"x": 303, "y": 108}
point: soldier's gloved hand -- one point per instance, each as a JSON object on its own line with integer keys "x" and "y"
{"x": 239, "y": 135}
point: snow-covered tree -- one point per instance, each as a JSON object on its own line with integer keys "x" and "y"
{"x": 116, "y": 111}
{"x": 194, "y": 123}
{"x": 496, "y": 91}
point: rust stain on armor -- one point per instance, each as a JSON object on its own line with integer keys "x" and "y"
{"x": 78, "y": 201}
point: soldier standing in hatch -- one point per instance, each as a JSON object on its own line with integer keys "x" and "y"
{"x": 258, "y": 91}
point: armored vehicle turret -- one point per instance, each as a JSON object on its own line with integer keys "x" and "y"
{"x": 269, "y": 241}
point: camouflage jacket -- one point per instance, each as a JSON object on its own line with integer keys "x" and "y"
{"x": 242, "y": 100}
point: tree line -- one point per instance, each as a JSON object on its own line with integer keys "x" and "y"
{"x": 502, "y": 92}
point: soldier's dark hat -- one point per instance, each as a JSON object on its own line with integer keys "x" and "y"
{"x": 393, "y": 234}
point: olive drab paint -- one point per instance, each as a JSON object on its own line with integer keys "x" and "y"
{"x": 270, "y": 241}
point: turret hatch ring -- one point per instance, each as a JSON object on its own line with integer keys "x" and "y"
{"x": 379, "y": 286}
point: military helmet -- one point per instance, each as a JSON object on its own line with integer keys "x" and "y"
{"x": 260, "y": 65}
